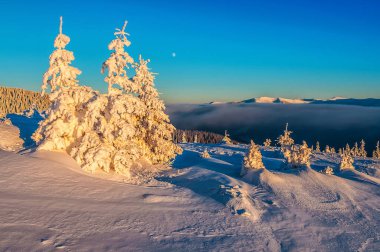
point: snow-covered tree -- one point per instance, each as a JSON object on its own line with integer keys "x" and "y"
{"x": 376, "y": 152}
{"x": 285, "y": 140}
{"x": 267, "y": 142}
{"x": 340, "y": 151}
{"x": 118, "y": 63}
{"x": 362, "y": 151}
{"x": 355, "y": 152}
{"x": 226, "y": 139}
{"x": 205, "y": 154}
{"x": 253, "y": 159}
{"x": 184, "y": 140}
{"x": 317, "y": 147}
{"x": 328, "y": 170}
{"x": 298, "y": 156}
{"x": 158, "y": 130}
{"x": 60, "y": 74}
{"x": 195, "y": 138}
{"x": 347, "y": 160}
{"x": 327, "y": 149}
{"x": 332, "y": 150}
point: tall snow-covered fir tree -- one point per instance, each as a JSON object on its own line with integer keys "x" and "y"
{"x": 317, "y": 147}
{"x": 184, "y": 140}
{"x": 195, "y": 138}
{"x": 362, "y": 151}
{"x": 60, "y": 128}
{"x": 253, "y": 159}
{"x": 156, "y": 124}
{"x": 60, "y": 73}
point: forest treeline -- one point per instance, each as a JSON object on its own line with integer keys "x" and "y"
{"x": 16, "y": 100}
{"x": 192, "y": 136}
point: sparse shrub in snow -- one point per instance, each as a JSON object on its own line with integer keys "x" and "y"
{"x": 328, "y": 170}
{"x": 205, "y": 154}
{"x": 376, "y": 152}
{"x": 347, "y": 160}
{"x": 226, "y": 139}
{"x": 253, "y": 159}
{"x": 285, "y": 140}
{"x": 117, "y": 131}
{"x": 298, "y": 155}
{"x": 267, "y": 142}
{"x": 317, "y": 147}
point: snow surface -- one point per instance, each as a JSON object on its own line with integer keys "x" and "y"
{"x": 48, "y": 203}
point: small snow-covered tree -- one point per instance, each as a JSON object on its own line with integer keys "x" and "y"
{"x": 253, "y": 159}
{"x": 205, "y": 154}
{"x": 285, "y": 140}
{"x": 362, "y": 151}
{"x": 347, "y": 160}
{"x": 376, "y": 152}
{"x": 184, "y": 140}
{"x": 327, "y": 149}
{"x": 298, "y": 156}
{"x": 158, "y": 130}
{"x": 195, "y": 138}
{"x": 267, "y": 142}
{"x": 355, "y": 150}
{"x": 332, "y": 150}
{"x": 328, "y": 170}
{"x": 340, "y": 151}
{"x": 60, "y": 74}
{"x": 317, "y": 147}
{"x": 226, "y": 139}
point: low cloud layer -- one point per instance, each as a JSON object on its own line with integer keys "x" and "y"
{"x": 334, "y": 125}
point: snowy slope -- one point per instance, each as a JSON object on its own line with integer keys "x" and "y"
{"x": 202, "y": 204}
{"x": 10, "y": 138}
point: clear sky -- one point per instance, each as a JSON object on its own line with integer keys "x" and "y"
{"x": 224, "y": 50}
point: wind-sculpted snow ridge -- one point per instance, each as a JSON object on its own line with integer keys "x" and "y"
{"x": 201, "y": 204}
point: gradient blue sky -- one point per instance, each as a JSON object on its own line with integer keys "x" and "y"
{"x": 225, "y": 50}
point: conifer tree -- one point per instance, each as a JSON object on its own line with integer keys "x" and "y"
{"x": 253, "y": 159}
{"x": 362, "y": 151}
{"x": 195, "y": 138}
{"x": 376, "y": 152}
{"x": 60, "y": 74}
{"x": 205, "y": 154}
{"x": 317, "y": 147}
{"x": 184, "y": 140}
{"x": 346, "y": 160}
{"x": 226, "y": 139}
{"x": 332, "y": 150}
{"x": 327, "y": 149}
{"x": 156, "y": 124}
{"x": 355, "y": 152}
{"x": 328, "y": 170}
{"x": 267, "y": 142}
{"x": 285, "y": 140}
{"x": 298, "y": 156}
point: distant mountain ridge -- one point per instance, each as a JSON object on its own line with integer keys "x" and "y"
{"x": 368, "y": 102}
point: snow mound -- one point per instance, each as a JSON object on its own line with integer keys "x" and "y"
{"x": 10, "y": 138}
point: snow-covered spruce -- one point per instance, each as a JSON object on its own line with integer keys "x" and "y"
{"x": 297, "y": 156}
{"x": 267, "y": 143}
{"x": 317, "y": 147}
{"x": 285, "y": 140}
{"x": 347, "y": 160}
{"x": 226, "y": 139}
{"x": 184, "y": 140}
{"x": 376, "y": 152}
{"x": 328, "y": 170}
{"x": 205, "y": 154}
{"x": 118, "y": 131}
{"x": 253, "y": 159}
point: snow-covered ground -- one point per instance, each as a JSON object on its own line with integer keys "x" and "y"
{"x": 10, "y": 138}
{"x": 48, "y": 203}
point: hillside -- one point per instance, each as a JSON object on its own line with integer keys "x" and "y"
{"x": 16, "y": 100}
{"x": 47, "y": 203}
